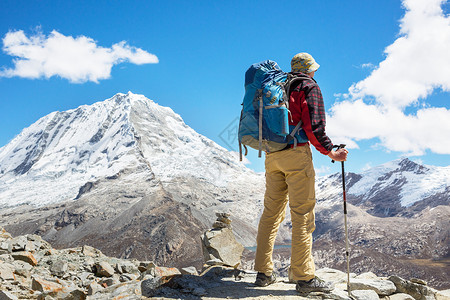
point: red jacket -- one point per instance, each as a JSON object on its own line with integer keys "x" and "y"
{"x": 306, "y": 104}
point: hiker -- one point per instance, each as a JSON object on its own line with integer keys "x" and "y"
{"x": 290, "y": 172}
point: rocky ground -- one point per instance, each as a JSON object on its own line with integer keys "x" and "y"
{"x": 30, "y": 268}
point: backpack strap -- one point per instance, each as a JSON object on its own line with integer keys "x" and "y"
{"x": 291, "y": 136}
{"x": 240, "y": 150}
{"x": 260, "y": 99}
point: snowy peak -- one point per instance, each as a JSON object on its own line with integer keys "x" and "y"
{"x": 63, "y": 151}
{"x": 390, "y": 188}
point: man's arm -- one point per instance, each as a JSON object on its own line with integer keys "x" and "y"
{"x": 313, "y": 117}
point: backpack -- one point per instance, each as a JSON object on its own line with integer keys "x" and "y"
{"x": 264, "y": 121}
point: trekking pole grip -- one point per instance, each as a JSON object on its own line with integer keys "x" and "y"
{"x": 341, "y": 146}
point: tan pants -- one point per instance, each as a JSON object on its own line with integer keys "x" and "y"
{"x": 289, "y": 175}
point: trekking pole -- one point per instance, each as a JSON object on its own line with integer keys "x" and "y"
{"x": 341, "y": 146}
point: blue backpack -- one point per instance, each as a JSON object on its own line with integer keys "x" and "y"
{"x": 264, "y": 122}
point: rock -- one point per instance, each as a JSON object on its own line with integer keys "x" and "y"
{"x": 145, "y": 265}
{"x": 126, "y": 267}
{"x": 189, "y": 271}
{"x": 22, "y": 268}
{"x": 381, "y": 287}
{"x": 104, "y": 269}
{"x": 150, "y": 286}
{"x": 93, "y": 288}
{"x": 75, "y": 294}
{"x": 91, "y": 251}
{"x": 4, "y": 235}
{"x": 338, "y": 295}
{"x": 45, "y": 286}
{"x": 26, "y": 257}
{"x": 418, "y": 281}
{"x": 367, "y": 275}
{"x": 17, "y": 243}
{"x": 6, "y": 271}
{"x": 400, "y": 296}
{"x": 215, "y": 262}
{"x": 59, "y": 268}
{"x": 125, "y": 290}
{"x": 222, "y": 215}
{"x": 4, "y": 295}
{"x": 199, "y": 292}
{"x": 417, "y": 291}
{"x": 443, "y": 295}
{"x": 221, "y": 244}
{"x": 335, "y": 276}
{"x": 219, "y": 225}
{"x": 364, "y": 295}
{"x": 166, "y": 272}
{"x": 109, "y": 281}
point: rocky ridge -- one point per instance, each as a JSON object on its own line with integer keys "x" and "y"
{"x": 30, "y": 268}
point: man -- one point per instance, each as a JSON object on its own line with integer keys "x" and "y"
{"x": 290, "y": 178}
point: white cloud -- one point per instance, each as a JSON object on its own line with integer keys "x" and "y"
{"x": 77, "y": 59}
{"x": 416, "y": 64}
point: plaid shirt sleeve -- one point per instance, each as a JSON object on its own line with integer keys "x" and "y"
{"x": 314, "y": 119}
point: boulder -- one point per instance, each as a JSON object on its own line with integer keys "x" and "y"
{"x": 381, "y": 287}
{"x": 221, "y": 244}
{"x": 416, "y": 290}
{"x": 6, "y": 271}
{"x": 5, "y": 295}
{"x": 400, "y": 296}
{"x": 443, "y": 295}
{"x": 189, "y": 271}
{"x": 104, "y": 269}
{"x": 367, "y": 294}
{"x": 25, "y": 256}
{"x": 59, "y": 268}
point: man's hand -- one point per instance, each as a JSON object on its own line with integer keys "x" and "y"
{"x": 339, "y": 155}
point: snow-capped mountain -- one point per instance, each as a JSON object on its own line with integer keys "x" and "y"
{"x": 76, "y": 171}
{"x": 390, "y": 189}
{"x": 50, "y": 160}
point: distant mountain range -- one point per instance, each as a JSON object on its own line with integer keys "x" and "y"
{"x": 129, "y": 177}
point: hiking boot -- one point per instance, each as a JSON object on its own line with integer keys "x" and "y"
{"x": 264, "y": 280}
{"x": 314, "y": 285}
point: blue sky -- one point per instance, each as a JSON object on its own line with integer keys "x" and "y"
{"x": 384, "y": 68}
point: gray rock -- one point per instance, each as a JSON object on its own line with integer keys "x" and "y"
{"x": 150, "y": 286}
{"x": 126, "y": 290}
{"x": 22, "y": 268}
{"x": 25, "y": 256}
{"x": 222, "y": 244}
{"x": 104, "y": 269}
{"x": 417, "y": 291}
{"x": 443, "y": 295}
{"x": 93, "y": 288}
{"x": 59, "y": 268}
{"x": 367, "y": 275}
{"x": 189, "y": 271}
{"x": 126, "y": 267}
{"x": 4, "y": 295}
{"x": 6, "y": 271}
{"x": 418, "y": 281}
{"x": 401, "y": 296}
{"x": 333, "y": 275}
{"x": 365, "y": 295}
{"x": 381, "y": 287}
{"x": 338, "y": 294}
{"x": 109, "y": 281}
{"x": 17, "y": 244}
{"x": 199, "y": 292}
{"x": 91, "y": 251}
